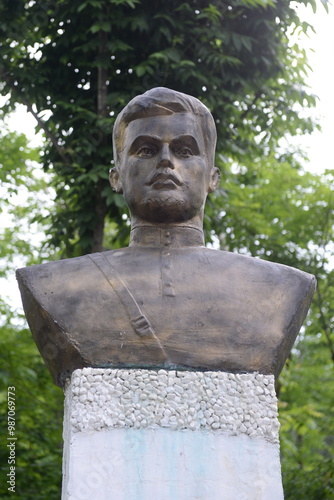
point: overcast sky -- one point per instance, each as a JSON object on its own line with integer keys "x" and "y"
{"x": 320, "y": 144}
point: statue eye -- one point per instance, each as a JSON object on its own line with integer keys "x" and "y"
{"x": 184, "y": 152}
{"x": 146, "y": 152}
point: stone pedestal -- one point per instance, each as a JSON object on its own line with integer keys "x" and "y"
{"x": 136, "y": 434}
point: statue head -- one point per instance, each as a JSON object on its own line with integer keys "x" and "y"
{"x": 164, "y": 145}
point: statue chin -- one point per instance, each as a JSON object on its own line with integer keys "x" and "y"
{"x": 168, "y": 210}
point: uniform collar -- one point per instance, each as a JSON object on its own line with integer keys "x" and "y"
{"x": 166, "y": 236}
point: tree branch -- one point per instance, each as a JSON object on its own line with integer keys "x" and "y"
{"x": 60, "y": 150}
{"x": 256, "y": 97}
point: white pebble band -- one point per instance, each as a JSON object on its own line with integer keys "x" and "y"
{"x": 223, "y": 402}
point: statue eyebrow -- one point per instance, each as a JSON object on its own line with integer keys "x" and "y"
{"x": 144, "y": 139}
{"x": 155, "y": 140}
{"x": 189, "y": 140}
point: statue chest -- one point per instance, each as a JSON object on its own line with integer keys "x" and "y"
{"x": 187, "y": 307}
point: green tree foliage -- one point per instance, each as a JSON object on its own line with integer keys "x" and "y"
{"x": 76, "y": 63}
{"x": 16, "y": 165}
{"x": 307, "y": 419}
{"x": 38, "y": 404}
{"x": 38, "y": 419}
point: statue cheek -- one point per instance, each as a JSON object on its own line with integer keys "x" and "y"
{"x": 134, "y": 170}
{"x": 199, "y": 174}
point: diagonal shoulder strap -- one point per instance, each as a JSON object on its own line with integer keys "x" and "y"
{"x": 139, "y": 322}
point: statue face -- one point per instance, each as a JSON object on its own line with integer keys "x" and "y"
{"x": 164, "y": 171}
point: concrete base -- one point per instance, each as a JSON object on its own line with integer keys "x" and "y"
{"x": 161, "y": 464}
{"x": 204, "y": 455}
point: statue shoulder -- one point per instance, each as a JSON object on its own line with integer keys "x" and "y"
{"x": 41, "y": 272}
{"x": 72, "y": 272}
{"x": 273, "y": 298}
{"x": 253, "y": 267}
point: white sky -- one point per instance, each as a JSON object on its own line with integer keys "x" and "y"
{"x": 319, "y": 145}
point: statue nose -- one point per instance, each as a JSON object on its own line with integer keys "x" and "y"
{"x": 165, "y": 159}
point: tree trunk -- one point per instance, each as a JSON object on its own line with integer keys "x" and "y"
{"x": 102, "y": 91}
{"x": 100, "y": 213}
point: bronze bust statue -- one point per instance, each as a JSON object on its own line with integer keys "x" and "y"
{"x": 166, "y": 300}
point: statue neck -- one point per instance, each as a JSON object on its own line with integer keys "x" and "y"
{"x": 166, "y": 235}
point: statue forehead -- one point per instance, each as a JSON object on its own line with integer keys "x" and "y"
{"x": 165, "y": 127}
{"x": 162, "y": 101}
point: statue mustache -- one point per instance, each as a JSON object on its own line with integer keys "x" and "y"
{"x": 165, "y": 176}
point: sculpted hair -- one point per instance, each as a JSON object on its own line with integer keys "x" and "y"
{"x": 162, "y": 101}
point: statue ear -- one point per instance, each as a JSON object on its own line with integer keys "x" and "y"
{"x": 214, "y": 179}
{"x": 115, "y": 180}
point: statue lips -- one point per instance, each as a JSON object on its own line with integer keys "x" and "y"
{"x": 164, "y": 180}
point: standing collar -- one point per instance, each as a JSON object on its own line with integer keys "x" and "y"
{"x": 166, "y": 236}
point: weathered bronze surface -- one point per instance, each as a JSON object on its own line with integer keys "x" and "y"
{"x": 166, "y": 300}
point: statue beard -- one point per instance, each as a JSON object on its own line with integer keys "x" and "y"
{"x": 165, "y": 209}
